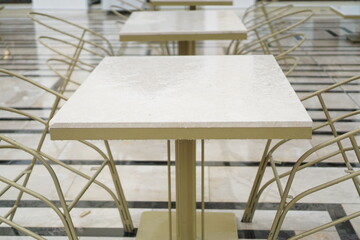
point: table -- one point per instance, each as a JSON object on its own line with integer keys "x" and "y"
{"x": 211, "y": 97}
{"x": 349, "y": 12}
{"x": 191, "y": 3}
{"x": 186, "y": 27}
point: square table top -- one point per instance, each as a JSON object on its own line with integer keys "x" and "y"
{"x": 183, "y": 97}
{"x": 190, "y": 2}
{"x": 183, "y": 26}
{"x": 347, "y": 11}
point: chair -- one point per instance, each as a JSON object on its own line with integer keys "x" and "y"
{"x": 261, "y": 12}
{"x": 280, "y": 46}
{"x": 280, "y": 24}
{"x": 337, "y": 140}
{"x": 77, "y": 48}
{"x": 62, "y": 212}
{"x": 286, "y": 205}
{"x": 118, "y": 197}
{"x": 273, "y": 36}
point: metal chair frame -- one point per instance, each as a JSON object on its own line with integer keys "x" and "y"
{"x": 272, "y": 47}
{"x": 268, "y": 158}
{"x": 262, "y": 13}
{"x": 285, "y": 206}
{"x": 80, "y": 43}
{"x": 63, "y": 214}
{"x": 264, "y": 35}
{"x": 119, "y": 197}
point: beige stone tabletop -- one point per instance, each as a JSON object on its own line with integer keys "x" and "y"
{"x": 347, "y": 11}
{"x": 183, "y": 97}
{"x": 183, "y": 26}
{"x": 190, "y": 2}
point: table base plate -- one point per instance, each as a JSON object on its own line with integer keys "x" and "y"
{"x": 154, "y": 226}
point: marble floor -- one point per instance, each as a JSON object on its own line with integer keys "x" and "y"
{"x": 326, "y": 57}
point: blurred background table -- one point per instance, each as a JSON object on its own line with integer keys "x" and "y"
{"x": 349, "y": 12}
{"x": 185, "y": 27}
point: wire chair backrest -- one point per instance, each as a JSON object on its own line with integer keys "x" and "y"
{"x": 271, "y": 29}
{"x": 335, "y": 125}
{"x": 76, "y": 47}
{"x": 44, "y": 122}
{"x": 73, "y": 31}
{"x": 262, "y": 12}
{"x": 63, "y": 213}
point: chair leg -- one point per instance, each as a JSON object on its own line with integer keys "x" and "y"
{"x": 124, "y": 211}
{"x": 252, "y": 202}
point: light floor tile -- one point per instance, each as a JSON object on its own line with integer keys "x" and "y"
{"x": 321, "y": 236}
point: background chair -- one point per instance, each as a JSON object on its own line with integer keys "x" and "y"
{"x": 281, "y": 46}
{"x": 274, "y": 36}
{"x": 77, "y": 48}
{"x": 281, "y": 24}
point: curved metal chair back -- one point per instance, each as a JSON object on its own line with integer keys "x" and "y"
{"x": 261, "y": 12}
{"x": 270, "y": 29}
{"x": 73, "y": 31}
{"x": 280, "y": 46}
{"x": 62, "y": 212}
{"x": 118, "y": 196}
{"x": 77, "y": 47}
{"x": 286, "y": 204}
{"x": 339, "y": 140}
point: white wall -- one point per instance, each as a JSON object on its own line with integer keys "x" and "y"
{"x": 62, "y": 4}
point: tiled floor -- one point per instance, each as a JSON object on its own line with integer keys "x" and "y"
{"x": 325, "y": 58}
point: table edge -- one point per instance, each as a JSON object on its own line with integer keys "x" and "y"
{"x": 333, "y": 8}
{"x": 180, "y": 3}
{"x": 180, "y": 133}
{"x": 182, "y": 37}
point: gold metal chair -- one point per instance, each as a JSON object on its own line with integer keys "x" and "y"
{"x": 272, "y": 28}
{"x": 118, "y": 196}
{"x": 332, "y": 123}
{"x": 62, "y": 212}
{"x": 261, "y": 12}
{"x": 77, "y": 47}
{"x": 280, "y": 46}
{"x": 286, "y": 205}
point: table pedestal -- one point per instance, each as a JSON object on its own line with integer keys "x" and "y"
{"x": 218, "y": 226}
{"x": 187, "y": 47}
{"x": 186, "y": 222}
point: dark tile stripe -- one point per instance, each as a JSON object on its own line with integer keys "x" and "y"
{"x": 164, "y": 163}
{"x": 331, "y": 33}
{"x": 345, "y": 229}
{"x": 119, "y": 232}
